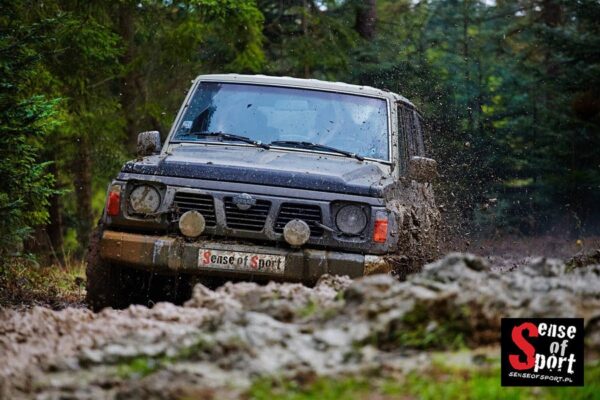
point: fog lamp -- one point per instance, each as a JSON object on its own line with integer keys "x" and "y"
{"x": 296, "y": 232}
{"x": 192, "y": 224}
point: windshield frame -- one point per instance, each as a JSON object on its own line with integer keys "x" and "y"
{"x": 169, "y": 140}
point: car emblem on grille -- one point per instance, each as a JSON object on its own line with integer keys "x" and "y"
{"x": 244, "y": 201}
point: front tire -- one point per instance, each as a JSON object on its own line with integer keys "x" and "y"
{"x": 107, "y": 284}
{"x": 118, "y": 286}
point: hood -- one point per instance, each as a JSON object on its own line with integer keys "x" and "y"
{"x": 253, "y": 165}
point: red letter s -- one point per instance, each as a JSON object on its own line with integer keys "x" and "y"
{"x": 206, "y": 258}
{"x": 524, "y": 345}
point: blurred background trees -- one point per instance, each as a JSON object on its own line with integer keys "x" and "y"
{"x": 509, "y": 88}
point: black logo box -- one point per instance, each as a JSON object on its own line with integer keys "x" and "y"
{"x": 570, "y": 349}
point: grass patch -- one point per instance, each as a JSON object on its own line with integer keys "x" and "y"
{"x": 25, "y": 283}
{"x": 426, "y": 327}
{"x": 425, "y": 332}
{"x": 440, "y": 383}
{"x": 320, "y": 389}
{"x": 139, "y": 367}
{"x": 313, "y": 309}
{"x": 309, "y": 309}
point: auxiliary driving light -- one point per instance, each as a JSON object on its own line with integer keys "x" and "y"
{"x": 192, "y": 224}
{"x": 296, "y": 232}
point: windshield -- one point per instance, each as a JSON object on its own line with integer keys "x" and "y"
{"x": 356, "y": 124}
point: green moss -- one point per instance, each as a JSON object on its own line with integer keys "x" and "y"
{"x": 423, "y": 329}
{"x": 140, "y": 366}
{"x": 192, "y": 351}
{"x": 309, "y": 309}
{"x": 329, "y": 313}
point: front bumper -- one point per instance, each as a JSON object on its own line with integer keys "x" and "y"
{"x": 165, "y": 254}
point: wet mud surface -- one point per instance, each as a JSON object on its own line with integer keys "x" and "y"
{"x": 222, "y": 340}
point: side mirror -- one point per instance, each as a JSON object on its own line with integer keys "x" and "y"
{"x": 422, "y": 169}
{"x": 148, "y": 143}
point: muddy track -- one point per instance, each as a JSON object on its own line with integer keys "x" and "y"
{"x": 221, "y": 341}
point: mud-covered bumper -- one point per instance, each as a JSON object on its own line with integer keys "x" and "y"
{"x": 166, "y": 254}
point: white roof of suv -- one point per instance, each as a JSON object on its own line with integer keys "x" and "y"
{"x": 305, "y": 84}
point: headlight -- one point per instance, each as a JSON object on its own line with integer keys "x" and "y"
{"x": 351, "y": 220}
{"x": 144, "y": 199}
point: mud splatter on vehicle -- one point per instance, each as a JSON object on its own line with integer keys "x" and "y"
{"x": 265, "y": 178}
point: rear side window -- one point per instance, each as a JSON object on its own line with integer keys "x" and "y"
{"x": 410, "y": 129}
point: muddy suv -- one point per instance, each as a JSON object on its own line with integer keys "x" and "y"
{"x": 267, "y": 178}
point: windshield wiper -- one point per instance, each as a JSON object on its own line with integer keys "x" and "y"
{"x": 316, "y": 146}
{"x": 230, "y": 136}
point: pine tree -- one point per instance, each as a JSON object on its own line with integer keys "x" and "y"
{"x": 25, "y": 120}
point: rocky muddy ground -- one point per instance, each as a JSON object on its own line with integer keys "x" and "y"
{"x": 221, "y": 341}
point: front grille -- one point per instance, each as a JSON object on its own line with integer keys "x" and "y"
{"x": 202, "y": 203}
{"x": 311, "y": 214}
{"x": 252, "y": 219}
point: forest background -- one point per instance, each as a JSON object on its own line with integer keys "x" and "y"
{"x": 509, "y": 90}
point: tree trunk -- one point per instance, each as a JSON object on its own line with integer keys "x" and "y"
{"x": 54, "y": 229}
{"x": 128, "y": 80}
{"x": 366, "y": 19}
{"x": 305, "y": 11}
{"x": 466, "y": 56}
{"x": 552, "y": 13}
{"x": 552, "y": 16}
{"x": 82, "y": 171}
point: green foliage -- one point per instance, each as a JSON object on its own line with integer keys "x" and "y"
{"x": 308, "y": 41}
{"x": 117, "y": 68}
{"x": 510, "y": 92}
{"x": 25, "y": 120}
{"x": 176, "y": 41}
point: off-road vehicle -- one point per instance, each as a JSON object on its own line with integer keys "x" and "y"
{"x": 267, "y": 178}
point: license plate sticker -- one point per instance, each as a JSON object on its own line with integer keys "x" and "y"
{"x": 241, "y": 261}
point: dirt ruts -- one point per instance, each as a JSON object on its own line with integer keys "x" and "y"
{"x": 221, "y": 341}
